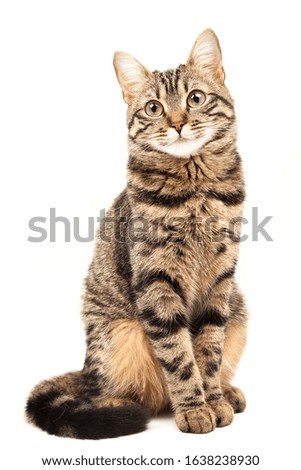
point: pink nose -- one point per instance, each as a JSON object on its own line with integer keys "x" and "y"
{"x": 178, "y": 126}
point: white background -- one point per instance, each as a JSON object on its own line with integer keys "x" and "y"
{"x": 63, "y": 145}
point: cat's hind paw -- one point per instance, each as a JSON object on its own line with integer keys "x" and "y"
{"x": 235, "y": 397}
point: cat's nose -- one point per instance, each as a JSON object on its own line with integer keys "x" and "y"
{"x": 178, "y": 126}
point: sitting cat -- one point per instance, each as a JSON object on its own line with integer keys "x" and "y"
{"x": 165, "y": 321}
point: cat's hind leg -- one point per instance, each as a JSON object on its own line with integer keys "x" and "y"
{"x": 135, "y": 372}
{"x": 235, "y": 339}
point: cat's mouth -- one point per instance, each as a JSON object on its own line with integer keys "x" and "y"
{"x": 180, "y": 146}
{"x": 180, "y": 138}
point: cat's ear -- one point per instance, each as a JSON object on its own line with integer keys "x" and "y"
{"x": 206, "y": 54}
{"x": 130, "y": 74}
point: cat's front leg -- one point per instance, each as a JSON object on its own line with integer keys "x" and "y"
{"x": 161, "y": 306}
{"x": 208, "y": 330}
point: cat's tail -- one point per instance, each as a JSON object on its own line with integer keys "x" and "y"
{"x": 58, "y": 406}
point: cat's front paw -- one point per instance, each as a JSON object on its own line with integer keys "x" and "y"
{"x": 223, "y": 411}
{"x": 198, "y": 420}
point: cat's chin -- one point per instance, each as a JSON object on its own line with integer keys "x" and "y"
{"x": 186, "y": 147}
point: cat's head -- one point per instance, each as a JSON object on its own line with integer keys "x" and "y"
{"x": 180, "y": 110}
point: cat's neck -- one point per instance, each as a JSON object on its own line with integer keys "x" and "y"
{"x": 170, "y": 183}
{"x": 209, "y": 164}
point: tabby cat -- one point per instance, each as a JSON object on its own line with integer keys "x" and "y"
{"x": 165, "y": 321}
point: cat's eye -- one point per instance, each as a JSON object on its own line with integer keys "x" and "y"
{"x": 154, "y": 108}
{"x": 195, "y": 98}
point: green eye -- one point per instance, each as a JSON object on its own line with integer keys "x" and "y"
{"x": 154, "y": 108}
{"x": 195, "y": 98}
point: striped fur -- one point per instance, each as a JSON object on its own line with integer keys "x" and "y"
{"x": 165, "y": 321}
